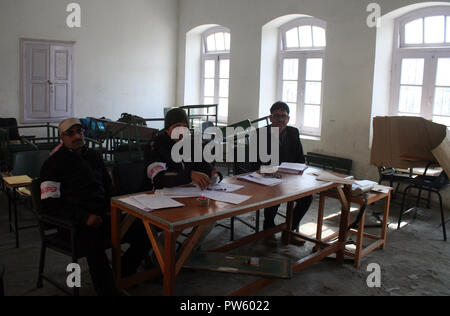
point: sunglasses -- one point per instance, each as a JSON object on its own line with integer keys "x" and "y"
{"x": 282, "y": 117}
{"x": 74, "y": 131}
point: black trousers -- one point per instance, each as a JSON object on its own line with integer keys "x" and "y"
{"x": 301, "y": 207}
{"x": 92, "y": 243}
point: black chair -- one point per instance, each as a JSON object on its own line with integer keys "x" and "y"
{"x": 51, "y": 239}
{"x": 2, "y": 273}
{"x": 430, "y": 184}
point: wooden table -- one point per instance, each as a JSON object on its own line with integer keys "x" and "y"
{"x": 11, "y": 185}
{"x": 192, "y": 216}
{"x": 363, "y": 201}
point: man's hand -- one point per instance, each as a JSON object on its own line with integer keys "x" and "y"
{"x": 94, "y": 221}
{"x": 201, "y": 179}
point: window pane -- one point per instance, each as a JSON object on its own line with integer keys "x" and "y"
{"x": 448, "y": 30}
{"x": 410, "y": 99}
{"x": 292, "y": 38}
{"x": 444, "y": 120}
{"x": 434, "y": 29}
{"x": 227, "y": 41}
{"x": 208, "y": 100}
{"x": 209, "y": 88}
{"x": 312, "y": 116}
{"x": 223, "y": 107}
{"x": 210, "y": 68}
{"x": 314, "y": 69}
{"x": 223, "y": 88}
{"x": 319, "y": 37}
{"x": 290, "y": 69}
{"x": 210, "y": 43}
{"x": 313, "y": 92}
{"x": 412, "y": 71}
{"x": 305, "y": 36}
{"x": 443, "y": 71}
{"x": 290, "y": 91}
{"x": 220, "y": 41}
{"x": 292, "y": 113}
{"x": 225, "y": 68}
{"x": 442, "y": 101}
{"x": 414, "y": 32}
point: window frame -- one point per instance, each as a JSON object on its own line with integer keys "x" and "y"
{"x": 302, "y": 54}
{"x": 429, "y": 52}
{"x": 217, "y": 56}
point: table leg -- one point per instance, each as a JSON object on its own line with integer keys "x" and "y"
{"x": 387, "y": 205}
{"x": 169, "y": 263}
{"x": 345, "y": 198}
{"x": 16, "y": 221}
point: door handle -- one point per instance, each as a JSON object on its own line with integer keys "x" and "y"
{"x": 49, "y": 82}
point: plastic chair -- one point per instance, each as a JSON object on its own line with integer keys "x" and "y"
{"x": 29, "y": 163}
{"x": 430, "y": 184}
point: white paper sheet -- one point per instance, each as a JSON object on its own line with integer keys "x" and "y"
{"x": 257, "y": 178}
{"x": 328, "y": 177}
{"x": 150, "y": 202}
{"x": 232, "y": 198}
{"x": 225, "y": 187}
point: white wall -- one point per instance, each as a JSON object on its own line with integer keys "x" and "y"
{"x": 349, "y": 65}
{"x": 125, "y": 53}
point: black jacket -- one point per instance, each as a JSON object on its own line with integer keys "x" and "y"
{"x": 75, "y": 186}
{"x": 291, "y": 149}
{"x": 162, "y": 170}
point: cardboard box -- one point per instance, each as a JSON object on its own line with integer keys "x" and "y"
{"x": 408, "y": 142}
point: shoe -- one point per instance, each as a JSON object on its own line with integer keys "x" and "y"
{"x": 297, "y": 241}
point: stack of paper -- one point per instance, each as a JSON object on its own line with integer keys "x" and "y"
{"x": 381, "y": 188}
{"x": 293, "y": 168}
{"x": 257, "y": 178}
{"x": 151, "y": 202}
{"x": 328, "y": 177}
{"x": 362, "y": 186}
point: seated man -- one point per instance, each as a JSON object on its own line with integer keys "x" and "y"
{"x": 162, "y": 170}
{"x": 291, "y": 150}
{"x": 76, "y": 186}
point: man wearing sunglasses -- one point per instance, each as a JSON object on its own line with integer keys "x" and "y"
{"x": 76, "y": 186}
{"x": 291, "y": 150}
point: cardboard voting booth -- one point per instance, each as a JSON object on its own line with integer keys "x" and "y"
{"x": 398, "y": 138}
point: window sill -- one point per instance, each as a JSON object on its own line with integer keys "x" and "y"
{"x": 309, "y": 137}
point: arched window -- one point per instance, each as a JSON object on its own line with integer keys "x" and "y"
{"x": 300, "y": 81}
{"x": 216, "y": 69}
{"x": 421, "y": 65}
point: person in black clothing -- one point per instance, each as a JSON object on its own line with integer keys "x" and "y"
{"x": 291, "y": 150}
{"x": 76, "y": 186}
{"x": 162, "y": 170}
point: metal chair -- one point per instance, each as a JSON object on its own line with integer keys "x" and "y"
{"x": 52, "y": 240}
{"x": 430, "y": 184}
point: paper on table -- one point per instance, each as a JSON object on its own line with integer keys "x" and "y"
{"x": 257, "y": 178}
{"x": 180, "y": 192}
{"x": 154, "y": 202}
{"x": 381, "y": 188}
{"x": 227, "y": 187}
{"x": 232, "y": 198}
{"x": 133, "y": 202}
{"x": 328, "y": 177}
{"x": 294, "y": 168}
